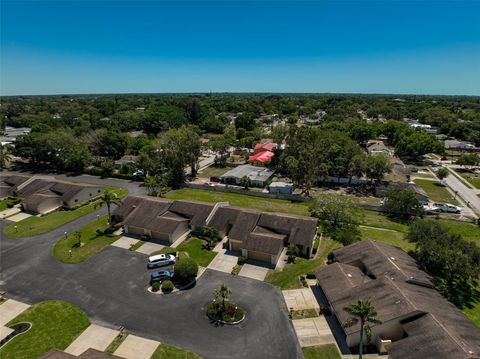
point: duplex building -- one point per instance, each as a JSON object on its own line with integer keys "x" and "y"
{"x": 42, "y": 194}
{"x": 258, "y": 235}
{"x": 417, "y": 322}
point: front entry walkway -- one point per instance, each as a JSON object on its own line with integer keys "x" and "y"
{"x": 149, "y": 247}
{"x": 313, "y": 331}
{"x": 253, "y": 271}
{"x": 300, "y": 299}
{"x": 134, "y": 347}
{"x": 19, "y": 216}
{"x": 95, "y": 337}
{"x": 10, "y": 309}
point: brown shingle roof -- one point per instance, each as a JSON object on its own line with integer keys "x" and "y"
{"x": 197, "y": 212}
{"x": 264, "y": 240}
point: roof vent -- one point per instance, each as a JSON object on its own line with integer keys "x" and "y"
{"x": 392, "y": 258}
{"x": 349, "y": 275}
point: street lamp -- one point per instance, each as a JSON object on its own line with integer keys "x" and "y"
{"x": 65, "y": 234}
{"x": 16, "y": 228}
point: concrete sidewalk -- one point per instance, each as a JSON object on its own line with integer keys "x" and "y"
{"x": 253, "y": 271}
{"x": 134, "y": 347}
{"x": 313, "y": 331}
{"x": 11, "y": 309}
{"x": 95, "y": 337}
{"x": 300, "y": 299}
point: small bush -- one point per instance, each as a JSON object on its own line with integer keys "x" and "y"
{"x": 311, "y": 275}
{"x": 145, "y": 237}
{"x": 99, "y": 232}
{"x": 167, "y": 286}
{"x": 109, "y": 230}
{"x": 155, "y": 287}
{"x": 241, "y": 260}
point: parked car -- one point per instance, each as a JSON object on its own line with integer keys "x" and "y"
{"x": 161, "y": 275}
{"x": 430, "y": 208}
{"x": 447, "y": 207}
{"x": 160, "y": 260}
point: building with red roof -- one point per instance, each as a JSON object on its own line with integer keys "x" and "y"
{"x": 261, "y": 157}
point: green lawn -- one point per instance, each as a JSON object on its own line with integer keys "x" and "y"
{"x": 328, "y": 351}
{"x": 469, "y": 231}
{"x": 380, "y": 220}
{"x": 288, "y": 277}
{"x": 212, "y": 171}
{"x": 4, "y": 203}
{"x": 166, "y": 351}
{"x": 436, "y": 192}
{"x": 55, "y": 324}
{"x": 473, "y": 313}
{"x": 264, "y": 204}
{"x": 193, "y": 247}
{"x": 33, "y": 226}
{"x": 92, "y": 243}
{"x": 472, "y": 178}
{"x": 393, "y": 238}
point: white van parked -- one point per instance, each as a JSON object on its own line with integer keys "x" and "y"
{"x": 447, "y": 207}
{"x": 160, "y": 260}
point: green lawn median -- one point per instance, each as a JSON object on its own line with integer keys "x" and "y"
{"x": 55, "y": 324}
{"x": 166, "y": 351}
{"x": 34, "y": 226}
{"x": 68, "y": 250}
{"x": 436, "y": 191}
{"x": 327, "y": 351}
{"x": 194, "y": 249}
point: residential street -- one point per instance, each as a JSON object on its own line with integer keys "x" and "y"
{"x": 111, "y": 288}
{"x": 466, "y": 193}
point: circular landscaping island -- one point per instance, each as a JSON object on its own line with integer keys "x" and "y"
{"x": 225, "y": 312}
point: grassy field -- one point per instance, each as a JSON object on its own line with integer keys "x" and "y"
{"x": 380, "y": 220}
{"x": 4, "y": 203}
{"x": 472, "y": 178}
{"x": 193, "y": 247}
{"x": 33, "y": 226}
{"x": 92, "y": 243}
{"x": 166, "y": 351}
{"x": 288, "y": 277}
{"x": 55, "y": 324}
{"x": 264, "y": 204}
{"x": 328, "y": 351}
{"x": 469, "y": 231}
{"x": 212, "y": 171}
{"x": 436, "y": 192}
{"x": 393, "y": 238}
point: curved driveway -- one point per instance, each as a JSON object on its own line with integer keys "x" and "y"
{"x": 111, "y": 288}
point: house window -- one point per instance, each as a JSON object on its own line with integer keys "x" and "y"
{"x": 76, "y": 200}
{"x": 99, "y": 191}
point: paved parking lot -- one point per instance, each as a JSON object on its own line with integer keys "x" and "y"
{"x": 253, "y": 272}
{"x": 149, "y": 247}
{"x": 300, "y": 299}
{"x": 134, "y": 347}
{"x": 313, "y": 331}
{"x": 95, "y": 336}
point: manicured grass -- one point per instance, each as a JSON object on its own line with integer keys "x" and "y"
{"x": 33, "y": 226}
{"x": 436, "y": 192}
{"x": 166, "y": 351}
{"x": 328, "y": 351}
{"x": 212, "y": 171}
{"x": 55, "y": 324}
{"x": 116, "y": 343}
{"x": 92, "y": 243}
{"x": 472, "y": 178}
{"x": 380, "y": 220}
{"x": 473, "y": 313}
{"x": 4, "y": 203}
{"x": 393, "y": 238}
{"x": 264, "y": 204}
{"x": 137, "y": 245}
{"x": 306, "y": 313}
{"x": 193, "y": 247}
{"x": 288, "y": 277}
{"x": 469, "y": 231}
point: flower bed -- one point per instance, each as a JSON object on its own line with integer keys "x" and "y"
{"x": 229, "y": 313}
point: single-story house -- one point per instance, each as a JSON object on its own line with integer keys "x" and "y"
{"x": 280, "y": 187}
{"x": 259, "y": 176}
{"x": 417, "y": 322}
{"x": 261, "y": 157}
{"x": 261, "y": 235}
{"x": 9, "y": 184}
{"x": 127, "y": 159}
{"x": 458, "y": 145}
{"x": 420, "y": 193}
{"x": 266, "y": 146}
{"x": 159, "y": 218}
{"x": 378, "y": 147}
{"x": 45, "y": 194}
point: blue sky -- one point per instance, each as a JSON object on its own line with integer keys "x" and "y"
{"x": 430, "y": 47}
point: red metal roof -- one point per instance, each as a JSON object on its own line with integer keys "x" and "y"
{"x": 262, "y": 157}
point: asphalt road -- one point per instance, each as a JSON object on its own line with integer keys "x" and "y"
{"x": 111, "y": 288}
{"x": 466, "y": 193}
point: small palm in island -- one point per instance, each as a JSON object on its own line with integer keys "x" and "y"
{"x": 222, "y": 309}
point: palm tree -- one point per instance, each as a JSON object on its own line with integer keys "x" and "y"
{"x": 224, "y": 292}
{"x": 364, "y": 312}
{"x": 107, "y": 199}
{"x": 5, "y": 156}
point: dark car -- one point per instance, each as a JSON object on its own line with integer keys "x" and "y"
{"x": 160, "y": 276}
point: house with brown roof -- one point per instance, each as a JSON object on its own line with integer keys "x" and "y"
{"x": 262, "y": 235}
{"x": 161, "y": 219}
{"x": 417, "y": 322}
{"x": 45, "y": 194}
{"x": 9, "y": 184}
{"x": 87, "y": 354}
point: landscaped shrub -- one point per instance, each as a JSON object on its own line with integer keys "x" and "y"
{"x": 167, "y": 286}
{"x": 145, "y": 237}
{"x": 241, "y": 260}
{"x": 185, "y": 270}
{"x": 155, "y": 287}
{"x": 311, "y": 275}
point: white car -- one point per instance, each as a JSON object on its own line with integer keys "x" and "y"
{"x": 447, "y": 207}
{"x": 430, "y": 208}
{"x": 160, "y": 260}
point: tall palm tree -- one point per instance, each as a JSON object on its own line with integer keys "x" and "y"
{"x": 223, "y": 292}
{"x": 107, "y": 199}
{"x": 364, "y": 312}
